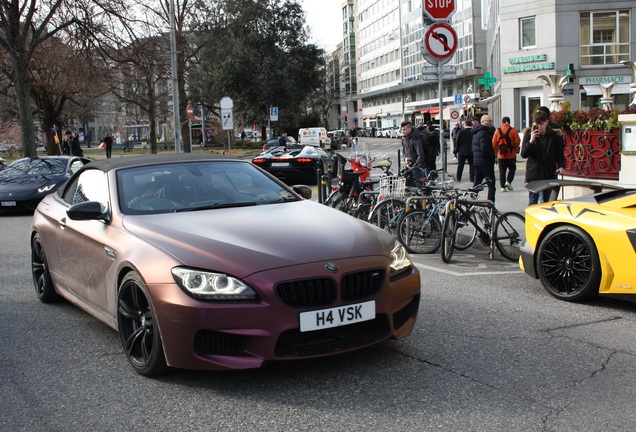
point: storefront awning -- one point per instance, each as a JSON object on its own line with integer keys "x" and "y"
{"x": 595, "y": 90}
{"x": 428, "y": 110}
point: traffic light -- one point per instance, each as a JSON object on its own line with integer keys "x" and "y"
{"x": 570, "y": 73}
{"x": 346, "y": 115}
{"x": 465, "y": 113}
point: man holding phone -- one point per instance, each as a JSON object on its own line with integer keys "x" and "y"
{"x": 543, "y": 148}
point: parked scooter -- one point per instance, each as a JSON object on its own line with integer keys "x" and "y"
{"x": 356, "y": 178}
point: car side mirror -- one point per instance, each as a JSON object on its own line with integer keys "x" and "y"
{"x": 88, "y": 210}
{"x": 303, "y": 191}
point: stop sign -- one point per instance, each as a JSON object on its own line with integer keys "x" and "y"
{"x": 439, "y": 9}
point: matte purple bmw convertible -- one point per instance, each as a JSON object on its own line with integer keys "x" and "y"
{"x": 168, "y": 251}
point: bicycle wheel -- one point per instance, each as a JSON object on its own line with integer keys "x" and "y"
{"x": 345, "y": 204}
{"x": 510, "y": 231}
{"x": 333, "y": 196}
{"x": 448, "y": 235}
{"x": 420, "y": 232}
{"x": 362, "y": 212}
{"x": 465, "y": 232}
{"x": 387, "y": 213}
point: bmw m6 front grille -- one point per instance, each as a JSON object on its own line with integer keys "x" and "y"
{"x": 324, "y": 292}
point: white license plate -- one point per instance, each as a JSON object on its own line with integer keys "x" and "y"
{"x": 280, "y": 164}
{"x": 8, "y": 203}
{"x": 338, "y": 316}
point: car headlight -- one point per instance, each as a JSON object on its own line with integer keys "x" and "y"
{"x": 400, "y": 260}
{"x": 46, "y": 188}
{"x": 212, "y": 286}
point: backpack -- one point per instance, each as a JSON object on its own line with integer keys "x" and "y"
{"x": 504, "y": 146}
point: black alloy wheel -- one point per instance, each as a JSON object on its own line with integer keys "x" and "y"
{"x": 568, "y": 264}
{"x": 138, "y": 329}
{"x": 41, "y": 276}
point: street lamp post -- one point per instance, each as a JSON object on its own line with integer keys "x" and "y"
{"x": 175, "y": 82}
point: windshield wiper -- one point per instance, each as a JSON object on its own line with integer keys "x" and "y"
{"x": 215, "y": 206}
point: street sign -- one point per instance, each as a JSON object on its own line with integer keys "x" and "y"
{"x": 454, "y": 114}
{"x": 439, "y": 10}
{"x": 273, "y": 113}
{"x": 227, "y": 119}
{"x": 226, "y": 103}
{"x": 458, "y": 99}
{"x": 190, "y": 111}
{"x": 440, "y": 41}
{"x": 431, "y": 73}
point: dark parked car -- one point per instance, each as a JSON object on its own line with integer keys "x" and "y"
{"x": 24, "y": 182}
{"x": 165, "y": 250}
{"x": 296, "y": 163}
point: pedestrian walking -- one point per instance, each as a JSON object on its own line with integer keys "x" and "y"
{"x": 108, "y": 140}
{"x": 543, "y": 148}
{"x": 433, "y": 138}
{"x": 505, "y": 143}
{"x": 484, "y": 155}
{"x": 464, "y": 151}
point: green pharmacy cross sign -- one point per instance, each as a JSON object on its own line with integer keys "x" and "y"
{"x": 487, "y": 80}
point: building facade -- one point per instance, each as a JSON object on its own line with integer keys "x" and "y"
{"x": 511, "y": 58}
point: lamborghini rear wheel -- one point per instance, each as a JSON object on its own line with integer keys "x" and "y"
{"x": 568, "y": 264}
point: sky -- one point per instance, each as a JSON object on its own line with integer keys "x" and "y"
{"x": 324, "y": 21}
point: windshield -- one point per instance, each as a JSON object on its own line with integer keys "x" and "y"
{"x": 192, "y": 186}
{"x": 36, "y": 166}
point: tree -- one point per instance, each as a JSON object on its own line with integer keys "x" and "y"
{"x": 256, "y": 52}
{"x": 25, "y": 25}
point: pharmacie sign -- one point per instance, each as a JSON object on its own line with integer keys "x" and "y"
{"x": 617, "y": 79}
{"x": 529, "y": 63}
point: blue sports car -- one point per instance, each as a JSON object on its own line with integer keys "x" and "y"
{"x": 24, "y": 182}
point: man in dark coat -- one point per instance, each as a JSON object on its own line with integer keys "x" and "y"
{"x": 73, "y": 139}
{"x": 543, "y": 149}
{"x": 416, "y": 153}
{"x": 484, "y": 155}
{"x": 464, "y": 150}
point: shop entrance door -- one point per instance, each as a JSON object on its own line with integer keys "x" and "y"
{"x": 529, "y": 104}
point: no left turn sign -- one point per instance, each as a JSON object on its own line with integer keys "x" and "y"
{"x": 441, "y": 41}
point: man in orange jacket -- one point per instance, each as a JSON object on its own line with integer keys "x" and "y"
{"x": 505, "y": 143}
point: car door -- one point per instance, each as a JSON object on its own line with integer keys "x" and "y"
{"x": 83, "y": 245}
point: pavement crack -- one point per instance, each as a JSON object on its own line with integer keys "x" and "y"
{"x": 571, "y": 326}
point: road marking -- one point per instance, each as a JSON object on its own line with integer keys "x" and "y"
{"x": 456, "y": 273}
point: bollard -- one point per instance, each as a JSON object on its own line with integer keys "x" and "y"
{"x": 318, "y": 183}
{"x": 323, "y": 187}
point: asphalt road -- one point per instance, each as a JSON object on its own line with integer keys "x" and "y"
{"x": 492, "y": 351}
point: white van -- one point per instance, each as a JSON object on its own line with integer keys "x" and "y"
{"x": 316, "y": 137}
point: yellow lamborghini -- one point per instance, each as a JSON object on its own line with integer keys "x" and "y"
{"x": 583, "y": 246}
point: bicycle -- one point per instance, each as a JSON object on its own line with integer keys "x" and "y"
{"x": 504, "y": 231}
{"x": 420, "y": 228}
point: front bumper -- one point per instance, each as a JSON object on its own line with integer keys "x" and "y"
{"x": 216, "y": 336}
{"x": 526, "y": 259}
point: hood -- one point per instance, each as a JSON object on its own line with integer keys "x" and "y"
{"x": 28, "y": 182}
{"x": 246, "y": 240}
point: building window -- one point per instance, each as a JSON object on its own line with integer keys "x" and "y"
{"x": 604, "y": 37}
{"x": 527, "y": 33}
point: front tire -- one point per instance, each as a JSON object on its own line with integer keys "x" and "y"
{"x": 42, "y": 281}
{"x": 138, "y": 328}
{"x": 568, "y": 264}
